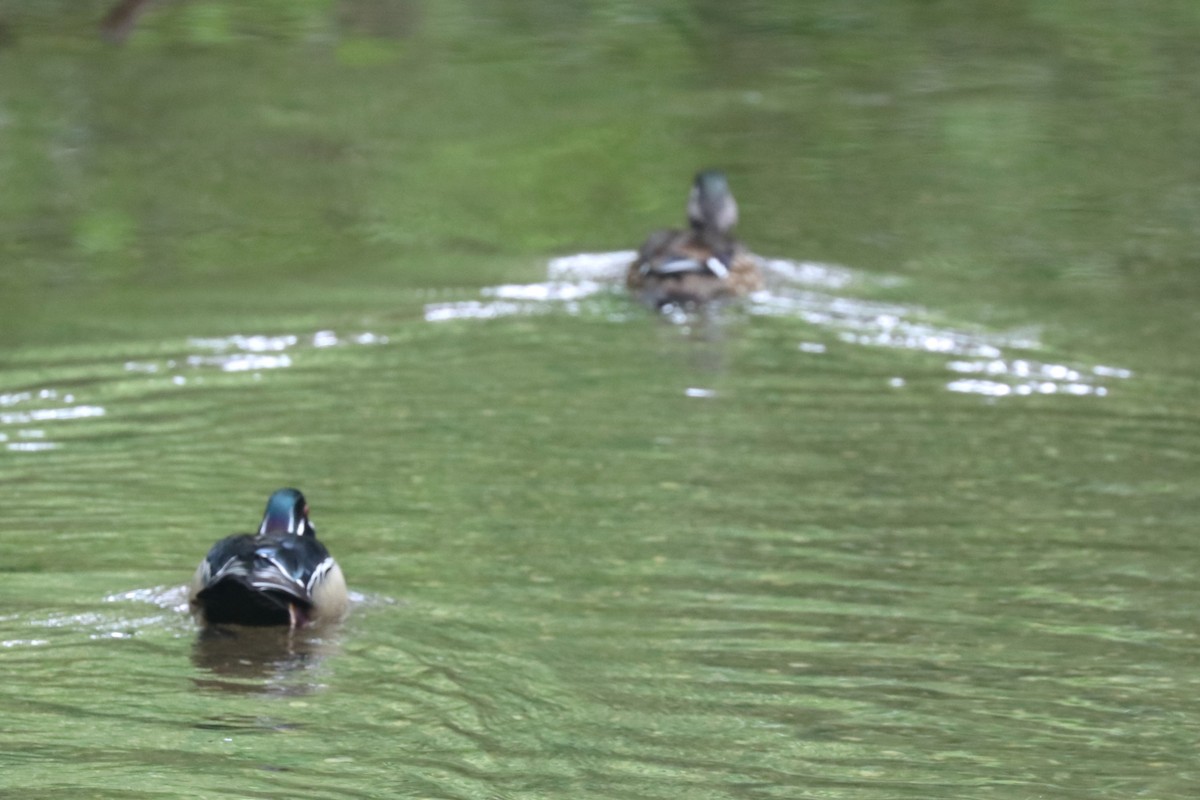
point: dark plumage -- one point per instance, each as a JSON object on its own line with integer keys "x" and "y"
{"x": 280, "y": 576}
{"x": 703, "y": 262}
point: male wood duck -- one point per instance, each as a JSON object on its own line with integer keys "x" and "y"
{"x": 280, "y": 576}
{"x": 704, "y": 262}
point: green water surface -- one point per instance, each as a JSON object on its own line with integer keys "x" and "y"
{"x": 918, "y": 523}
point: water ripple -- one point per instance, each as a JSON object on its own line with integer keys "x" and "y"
{"x": 239, "y": 353}
{"x": 987, "y": 363}
{"x": 55, "y": 406}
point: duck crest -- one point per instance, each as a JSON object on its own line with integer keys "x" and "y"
{"x": 287, "y": 512}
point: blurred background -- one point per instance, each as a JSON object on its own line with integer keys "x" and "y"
{"x": 1013, "y": 152}
{"x": 918, "y": 521}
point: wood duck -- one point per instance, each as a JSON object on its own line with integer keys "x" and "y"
{"x": 280, "y": 576}
{"x": 703, "y": 263}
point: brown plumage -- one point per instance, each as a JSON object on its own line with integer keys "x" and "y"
{"x": 703, "y": 263}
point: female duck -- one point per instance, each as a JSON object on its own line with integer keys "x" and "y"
{"x": 702, "y": 263}
{"x": 280, "y": 576}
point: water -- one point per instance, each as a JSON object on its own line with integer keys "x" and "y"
{"x": 915, "y": 521}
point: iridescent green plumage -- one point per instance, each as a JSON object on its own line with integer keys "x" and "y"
{"x": 280, "y": 576}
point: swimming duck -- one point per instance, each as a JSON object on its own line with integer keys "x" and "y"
{"x": 280, "y": 576}
{"x": 702, "y": 263}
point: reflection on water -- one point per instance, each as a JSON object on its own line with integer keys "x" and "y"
{"x": 121, "y": 19}
{"x": 271, "y": 660}
{"x": 251, "y": 354}
{"x": 572, "y": 282}
{"x": 855, "y": 544}
{"x": 106, "y": 624}
{"x": 173, "y": 598}
{"x": 236, "y": 659}
{"x": 240, "y": 353}
{"x": 1001, "y": 377}
{"x": 43, "y": 405}
{"x": 998, "y": 362}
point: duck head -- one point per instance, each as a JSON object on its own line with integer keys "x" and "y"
{"x": 711, "y": 205}
{"x": 287, "y": 512}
